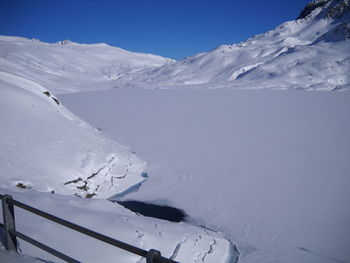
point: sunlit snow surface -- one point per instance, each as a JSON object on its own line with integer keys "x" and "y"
{"x": 267, "y": 168}
{"x": 181, "y": 242}
{"x": 69, "y": 66}
{"x": 270, "y": 169}
{"x": 306, "y": 54}
{"x": 45, "y": 147}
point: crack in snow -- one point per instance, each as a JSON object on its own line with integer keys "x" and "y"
{"x": 211, "y": 245}
{"x": 177, "y": 248}
{"x": 88, "y": 186}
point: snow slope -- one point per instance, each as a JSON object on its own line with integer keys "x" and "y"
{"x": 309, "y": 53}
{"x": 312, "y": 52}
{"x": 67, "y": 66}
{"x": 45, "y": 147}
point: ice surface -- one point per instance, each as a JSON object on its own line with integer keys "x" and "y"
{"x": 270, "y": 169}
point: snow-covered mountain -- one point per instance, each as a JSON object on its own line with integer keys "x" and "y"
{"x": 312, "y": 52}
{"x": 67, "y": 66}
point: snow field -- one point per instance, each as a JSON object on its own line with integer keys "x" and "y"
{"x": 269, "y": 169}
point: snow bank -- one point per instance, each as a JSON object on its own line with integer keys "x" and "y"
{"x": 181, "y": 242}
{"x": 45, "y": 147}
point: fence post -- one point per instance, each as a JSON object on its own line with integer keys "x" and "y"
{"x": 9, "y": 224}
{"x": 151, "y": 254}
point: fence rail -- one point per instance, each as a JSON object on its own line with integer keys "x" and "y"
{"x": 10, "y": 233}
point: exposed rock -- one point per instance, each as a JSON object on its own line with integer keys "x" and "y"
{"x": 339, "y": 9}
{"x": 22, "y": 185}
{"x": 65, "y": 42}
{"x": 332, "y": 8}
{"x": 311, "y": 7}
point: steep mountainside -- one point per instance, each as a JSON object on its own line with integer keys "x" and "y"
{"x": 312, "y": 52}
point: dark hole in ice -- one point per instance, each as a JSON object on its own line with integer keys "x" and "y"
{"x": 151, "y": 210}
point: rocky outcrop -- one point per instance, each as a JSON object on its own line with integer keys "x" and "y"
{"x": 338, "y": 9}
{"x": 311, "y": 7}
{"x": 332, "y": 9}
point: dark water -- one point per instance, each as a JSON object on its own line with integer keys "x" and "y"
{"x": 158, "y": 211}
{"x": 171, "y": 214}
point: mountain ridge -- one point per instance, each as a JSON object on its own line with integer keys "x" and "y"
{"x": 66, "y": 66}
{"x": 308, "y": 53}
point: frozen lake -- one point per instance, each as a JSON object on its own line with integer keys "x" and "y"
{"x": 268, "y": 168}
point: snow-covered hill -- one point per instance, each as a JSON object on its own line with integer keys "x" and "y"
{"x": 67, "y": 66}
{"x": 45, "y": 147}
{"x": 312, "y": 52}
{"x": 42, "y": 145}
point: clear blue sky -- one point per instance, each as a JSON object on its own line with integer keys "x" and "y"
{"x": 170, "y": 28}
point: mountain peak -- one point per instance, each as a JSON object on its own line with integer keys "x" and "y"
{"x": 65, "y": 42}
{"x": 310, "y": 7}
{"x": 329, "y": 8}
